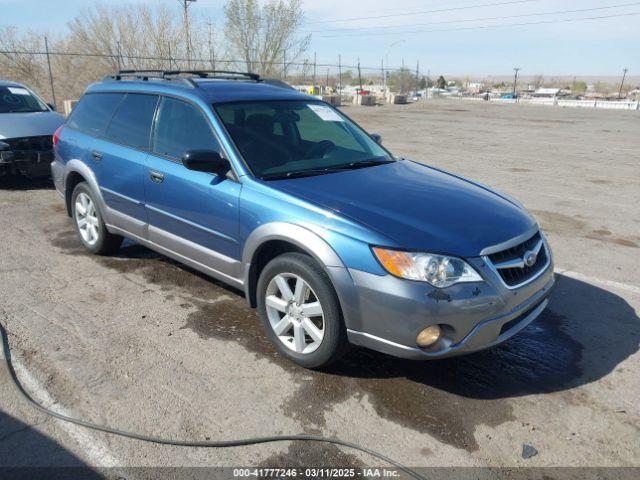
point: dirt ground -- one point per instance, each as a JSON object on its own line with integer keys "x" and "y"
{"x": 139, "y": 342}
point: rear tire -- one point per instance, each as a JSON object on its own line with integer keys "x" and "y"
{"x": 89, "y": 224}
{"x": 305, "y": 321}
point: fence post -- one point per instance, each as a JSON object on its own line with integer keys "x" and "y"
{"x": 46, "y": 49}
{"x": 340, "y": 76}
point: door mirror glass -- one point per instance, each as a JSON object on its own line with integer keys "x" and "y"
{"x": 206, "y": 161}
{"x": 376, "y": 138}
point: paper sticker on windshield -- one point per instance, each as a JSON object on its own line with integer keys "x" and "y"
{"x": 326, "y": 113}
{"x": 19, "y": 91}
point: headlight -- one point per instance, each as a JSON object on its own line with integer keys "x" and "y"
{"x": 438, "y": 270}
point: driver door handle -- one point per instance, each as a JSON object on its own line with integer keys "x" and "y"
{"x": 156, "y": 177}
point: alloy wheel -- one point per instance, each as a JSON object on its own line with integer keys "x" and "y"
{"x": 295, "y": 313}
{"x": 87, "y": 219}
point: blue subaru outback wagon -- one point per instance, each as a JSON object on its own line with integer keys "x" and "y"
{"x": 331, "y": 237}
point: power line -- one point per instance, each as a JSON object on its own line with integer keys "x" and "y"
{"x": 542, "y": 22}
{"x": 557, "y": 12}
{"x": 404, "y": 14}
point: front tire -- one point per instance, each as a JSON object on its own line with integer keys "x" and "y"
{"x": 300, "y": 311}
{"x": 89, "y": 224}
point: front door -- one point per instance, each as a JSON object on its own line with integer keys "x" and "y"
{"x": 192, "y": 214}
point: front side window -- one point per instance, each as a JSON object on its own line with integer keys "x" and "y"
{"x": 280, "y": 139}
{"x": 131, "y": 124}
{"x": 94, "y": 112}
{"x": 181, "y": 127}
{"x": 19, "y": 100}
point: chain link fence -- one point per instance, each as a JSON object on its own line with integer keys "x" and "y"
{"x": 59, "y": 76}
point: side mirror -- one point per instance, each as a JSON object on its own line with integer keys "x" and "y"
{"x": 51, "y": 106}
{"x": 376, "y": 138}
{"x": 206, "y": 161}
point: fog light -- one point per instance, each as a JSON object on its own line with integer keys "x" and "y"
{"x": 429, "y": 336}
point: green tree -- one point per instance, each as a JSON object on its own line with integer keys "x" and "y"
{"x": 441, "y": 83}
{"x": 579, "y": 87}
{"x": 422, "y": 84}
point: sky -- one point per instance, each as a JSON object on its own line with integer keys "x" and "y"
{"x": 455, "y": 37}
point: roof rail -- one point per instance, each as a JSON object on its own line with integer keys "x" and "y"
{"x": 179, "y": 75}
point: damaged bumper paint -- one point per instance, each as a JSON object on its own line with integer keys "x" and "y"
{"x": 472, "y": 316}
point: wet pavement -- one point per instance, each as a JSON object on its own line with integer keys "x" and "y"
{"x": 567, "y": 384}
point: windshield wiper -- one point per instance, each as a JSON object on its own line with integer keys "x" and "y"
{"x": 299, "y": 174}
{"x": 323, "y": 171}
{"x": 364, "y": 163}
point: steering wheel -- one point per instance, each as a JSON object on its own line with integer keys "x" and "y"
{"x": 320, "y": 149}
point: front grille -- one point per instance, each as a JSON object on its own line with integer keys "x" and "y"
{"x": 40, "y": 143}
{"x": 520, "y": 274}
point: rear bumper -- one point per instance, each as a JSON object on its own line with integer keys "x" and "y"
{"x": 390, "y": 312}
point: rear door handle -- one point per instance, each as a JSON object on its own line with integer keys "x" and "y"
{"x": 96, "y": 155}
{"x": 156, "y": 177}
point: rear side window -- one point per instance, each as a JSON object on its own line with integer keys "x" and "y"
{"x": 181, "y": 127}
{"x": 93, "y": 112}
{"x": 131, "y": 125}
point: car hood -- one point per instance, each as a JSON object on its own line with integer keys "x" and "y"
{"x": 32, "y": 124}
{"x": 417, "y": 207}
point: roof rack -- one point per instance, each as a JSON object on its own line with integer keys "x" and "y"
{"x": 181, "y": 75}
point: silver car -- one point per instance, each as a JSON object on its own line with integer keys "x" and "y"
{"x": 27, "y": 125}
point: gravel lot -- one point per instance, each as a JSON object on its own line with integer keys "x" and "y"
{"x": 141, "y": 343}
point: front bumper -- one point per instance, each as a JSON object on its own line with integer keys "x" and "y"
{"x": 388, "y": 313}
{"x": 30, "y": 163}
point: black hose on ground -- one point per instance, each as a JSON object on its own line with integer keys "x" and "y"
{"x": 187, "y": 443}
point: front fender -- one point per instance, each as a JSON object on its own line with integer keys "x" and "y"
{"x": 295, "y": 234}
{"x": 311, "y": 243}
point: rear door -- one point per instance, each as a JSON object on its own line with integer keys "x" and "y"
{"x": 193, "y": 214}
{"x": 122, "y": 155}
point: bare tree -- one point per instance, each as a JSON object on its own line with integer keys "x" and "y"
{"x": 23, "y": 66}
{"x": 265, "y": 37}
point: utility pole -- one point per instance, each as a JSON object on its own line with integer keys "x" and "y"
{"x": 327, "y": 84}
{"x": 284, "y": 65}
{"x": 359, "y": 76}
{"x": 185, "y": 11}
{"x": 315, "y": 61}
{"x": 46, "y": 49}
{"x": 624, "y": 75}
{"x": 515, "y": 80}
{"x": 118, "y": 54}
{"x": 212, "y": 55}
{"x": 417, "y": 75}
{"x": 384, "y": 78}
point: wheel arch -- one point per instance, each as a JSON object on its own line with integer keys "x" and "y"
{"x": 76, "y": 172}
{"x": 273, "y": 239}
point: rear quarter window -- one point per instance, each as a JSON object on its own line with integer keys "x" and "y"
{"x": 94, "y": 112}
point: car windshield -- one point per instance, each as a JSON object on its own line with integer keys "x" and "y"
{"x": 15, "y": 99}
{"x": 283, "y": 139}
